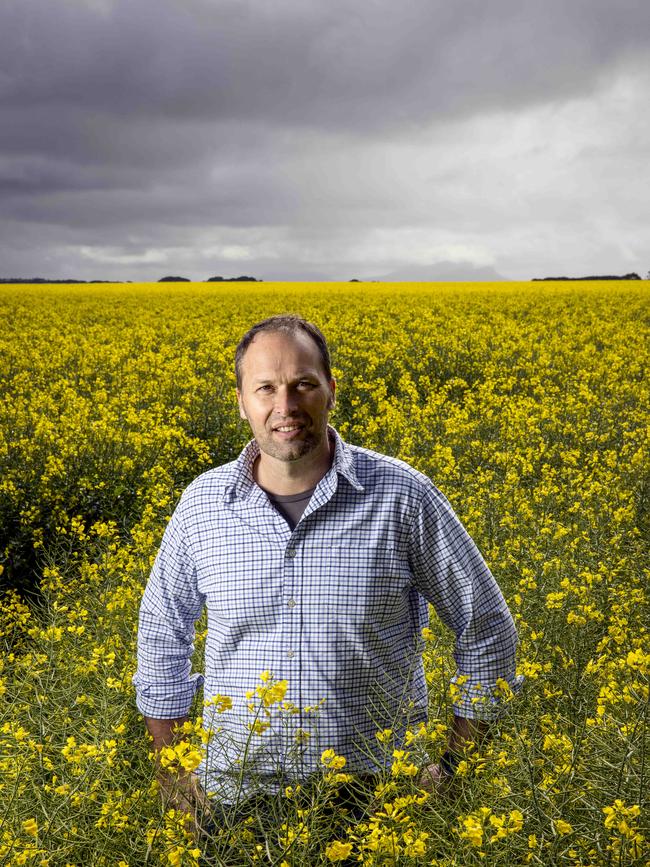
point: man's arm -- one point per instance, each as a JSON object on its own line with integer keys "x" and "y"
{"x": 163, "y": 731}
{"x": 164, "y": 684}
{"x": 466, "y": 731}
{"x": 451, "y": 574}
{"x": 171, "y": 604}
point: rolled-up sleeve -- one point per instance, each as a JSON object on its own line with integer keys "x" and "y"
{"x": 170, "y": 606}
{"x": 451, "y": 574}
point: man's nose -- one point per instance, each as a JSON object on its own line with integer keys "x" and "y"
{"x": 286, "y": 401}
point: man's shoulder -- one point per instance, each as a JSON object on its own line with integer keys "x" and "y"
{"x": 209, "y": 486}
{"x": 376, "y": 466}
{"x": 387, "y": 477}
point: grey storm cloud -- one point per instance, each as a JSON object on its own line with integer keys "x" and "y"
{"x": 124, "y": 119}
{"x": 361, "y": 67}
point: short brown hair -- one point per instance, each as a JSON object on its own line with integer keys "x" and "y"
{"x": 290, "y": 324}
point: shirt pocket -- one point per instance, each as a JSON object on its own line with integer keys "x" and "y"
{"x": 367, "y": 584}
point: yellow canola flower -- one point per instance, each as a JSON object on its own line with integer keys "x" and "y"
{"x": 638, "y": 660}
{"x": 335, "y": 778}
{"x": 181, "y": 755}
{"x": 401, "y": 767}
{"x": 384, "y": 736}
{"x": 332, "y": 761}
{"x": 30, "y": 826}
{"x": 563, "y": 827}
{"x": 503, "y": 689}
{"x": 507, "y": 824}
{"x": 221, "y": 703}
{"x": 415, "y": 844}
{"x": 271, "y": 692}
{"x": 472, "y": 829}
{"x": 410, "y": 737}
{"x": 338, "y": 851}
{"x": 621, "y": 818}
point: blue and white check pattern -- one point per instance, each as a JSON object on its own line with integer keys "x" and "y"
{"x": 335, "y": 608}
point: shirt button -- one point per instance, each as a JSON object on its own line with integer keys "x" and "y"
{"x": 291, "y": 603}
{"x": 291, "y": 552}
{"x": 290, "y": 654}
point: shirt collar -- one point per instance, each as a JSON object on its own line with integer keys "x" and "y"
{"x": 343, "y": 462}
{"x": 242, "y": 480}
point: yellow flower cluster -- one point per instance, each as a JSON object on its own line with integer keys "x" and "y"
{"x": 391, "y": 833}
{"x": 270, "y": 691}
{"x": 175, "y": 841}
{"x": 261, "y": 699}
{"x": 179, "y": 757}
{"x": 484, "y": 826}
{"x": 622, "y": 822}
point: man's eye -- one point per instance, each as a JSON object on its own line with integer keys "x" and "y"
{"x": 305, "y": 383}
{"x": 265, "y": 388}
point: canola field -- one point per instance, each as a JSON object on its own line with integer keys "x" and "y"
{"x": 526, "y": 404}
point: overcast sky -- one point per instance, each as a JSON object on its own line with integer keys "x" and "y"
{"x": 298, "y": 140}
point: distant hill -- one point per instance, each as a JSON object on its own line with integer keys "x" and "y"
{"x": 632, "y": 276}
{"x": 441, "y": 272}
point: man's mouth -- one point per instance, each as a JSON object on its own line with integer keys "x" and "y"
{"x": 289, "y": 430}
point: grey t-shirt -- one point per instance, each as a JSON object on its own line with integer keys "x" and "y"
{"x": 291, "y": 506}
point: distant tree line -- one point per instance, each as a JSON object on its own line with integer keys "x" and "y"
{"x": 631, "y": 276}
{"x": 45, "y": 280}
{"x": 210, "y": 280}
{"x": 244, "y": 279}
{"x": 24, "y": 280}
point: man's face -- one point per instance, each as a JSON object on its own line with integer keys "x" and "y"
{"x": 285, "y": 395}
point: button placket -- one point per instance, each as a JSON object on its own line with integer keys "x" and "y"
{"x": 290, "y": 603}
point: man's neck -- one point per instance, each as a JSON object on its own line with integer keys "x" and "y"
{"x": 292, "y": 477}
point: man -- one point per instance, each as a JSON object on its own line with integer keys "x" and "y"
{"x": 316, "y": 561}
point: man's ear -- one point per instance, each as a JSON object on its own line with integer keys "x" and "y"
{"x": 332, "y": 399}
{"x": 242, "y": 413}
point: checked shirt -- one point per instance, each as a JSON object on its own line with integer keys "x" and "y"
{"x": 334, "y": 607}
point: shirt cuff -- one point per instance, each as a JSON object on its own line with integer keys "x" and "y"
{"x": 165, "y": 701}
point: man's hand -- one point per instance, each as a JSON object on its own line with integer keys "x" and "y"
{"x": 464, "y": 733}
{"x": 179, "y": 791}
{"x": 184, "y": 792}
{"x": 434, "y": 779}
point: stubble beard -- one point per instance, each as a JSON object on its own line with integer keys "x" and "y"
{"x": 288, "y": 452}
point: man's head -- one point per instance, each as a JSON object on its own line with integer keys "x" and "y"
{"x": 285, "y": 388}
{"x": 288, "y": 324}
